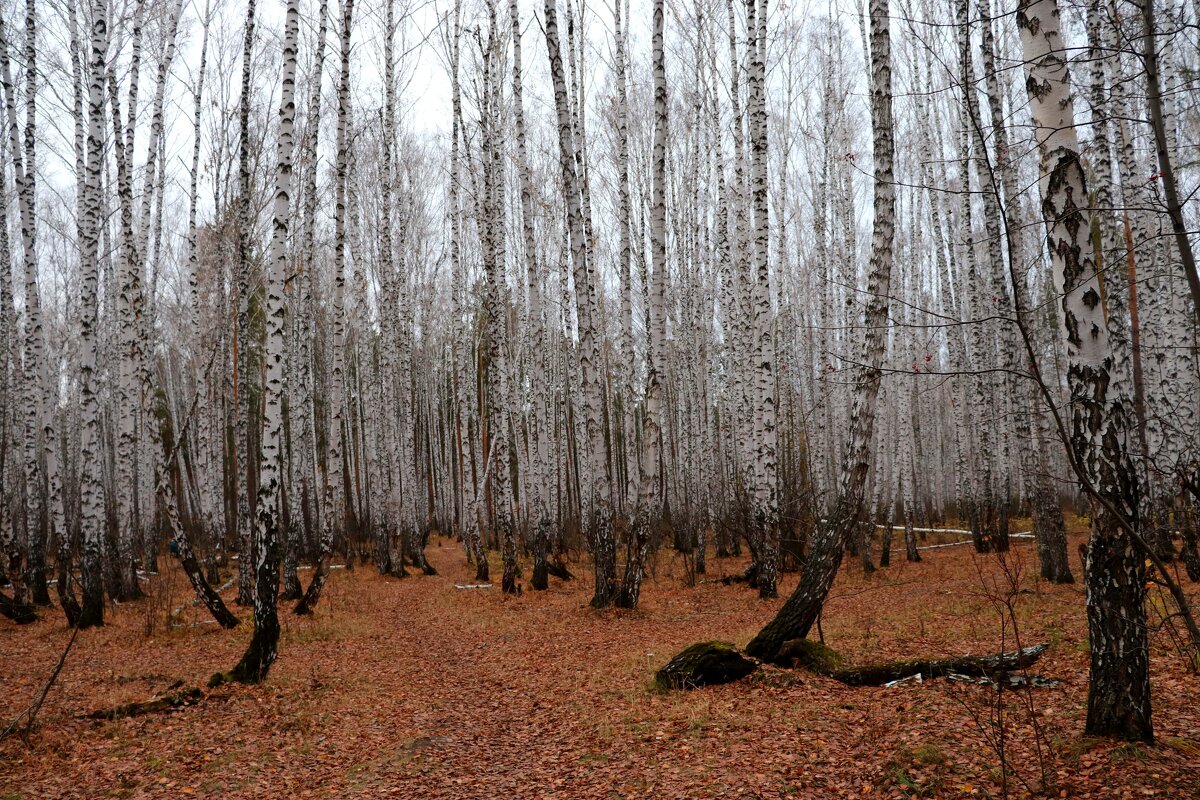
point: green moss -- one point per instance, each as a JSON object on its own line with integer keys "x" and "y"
{"x": 812, "y": 655}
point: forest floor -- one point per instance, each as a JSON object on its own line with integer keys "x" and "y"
{"x": 415, "y": 689}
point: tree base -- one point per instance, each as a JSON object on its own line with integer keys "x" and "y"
{"x": 704, "y": 664}
{"x": 20, "y": 613}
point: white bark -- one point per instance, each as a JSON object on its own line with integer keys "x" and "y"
{"x": 599, "y": 491}
{"x": 1119, "y": 690}
{"x": 91, "y": 487}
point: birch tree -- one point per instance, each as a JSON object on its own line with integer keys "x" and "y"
{"x": 800, "y": 611}
{"x": 335, "y": 503}
{"x": 649, "y": 491}
{"x": 599, "y": 517}
{"x": 1114, "y": 570}
{"x": 91, "y": 486}
{"x": 260, "y": 654}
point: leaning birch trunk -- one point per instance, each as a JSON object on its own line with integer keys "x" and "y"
{"x": 260, "y": 654}
{"x": 334, "y": 499}
{"x": 801, "y": 609}
{"x": 1114, "y": 569}
{"x": 1163, "y": 153}
{"x": 182, "y": 545}
{"x": 648, "y": 464}
{"x": 604, "y": 546}
{"x": 91, "y": 486}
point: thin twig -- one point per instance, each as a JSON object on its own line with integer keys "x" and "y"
{"x": 36, "y": 705}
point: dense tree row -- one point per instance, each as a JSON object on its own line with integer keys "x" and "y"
{"x": 651, "y": 285}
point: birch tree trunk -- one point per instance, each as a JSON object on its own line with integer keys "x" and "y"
{"x": 1114, "y": 570}
{"x": 765, "y": 493}
{"x": 649, "y": 490}
{"x": 260, "y": 654}
{"x": 130, "y": 309}
{"x": 304, "y": 412}
{"x": 534, "y": 503}
{"x": 800, "y": 611}
{"x": 1162, "y": 150}
{"x": 240, "y": 461}
{"x": 91, "y": 486}
{"x": 182, "y": 546}
{"x": 599, "y": 500}
{"x": 40, "y": 436}
{"x": 335, "y": 502}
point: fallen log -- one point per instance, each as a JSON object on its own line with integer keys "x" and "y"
{"x": 806, "y": 654}
{"x": 20, "y": 613}
{"x": 169, "y": 702}
{"x": 710, "y": 663}
{"x": 749, "y": 577}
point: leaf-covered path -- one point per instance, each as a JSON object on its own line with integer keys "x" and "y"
{"x": 416, "y": 689}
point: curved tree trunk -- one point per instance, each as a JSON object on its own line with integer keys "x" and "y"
{"x": 801, "y": 610}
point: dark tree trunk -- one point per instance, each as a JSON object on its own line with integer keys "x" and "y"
{"x": 313, "y": 594}
{"x": 1119, "y": 691}
{"x": 910, "y": 542}
{"x": 20, "y": 613}
{"x": 540, "y": 580}
{"x": 35, "y": 578}
{"x": 264, "y": 644}
{"x": 417, "y": 547}
{"x": 1190, "y": 552}
{"x": 1000, "y": 534}
{"x": 207, "y": 595}
{"x": 1049, "y": 529}
{"x": 820, "y": 659}
{"x": 66, "y": 592}
{"x": 798, "y": 614}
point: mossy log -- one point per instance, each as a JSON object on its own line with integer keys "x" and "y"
{"x": 704, "y": 664}
{"x": 169, "y": 702}
{"x": 811, "y": 655}
{"x": 824, "y": 661}
{"x": 708, "y": 663}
